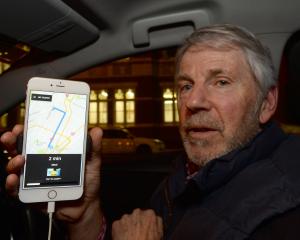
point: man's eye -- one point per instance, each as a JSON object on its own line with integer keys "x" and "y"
{"x": 185, "y": 87}
{"x": 222, "y": 83}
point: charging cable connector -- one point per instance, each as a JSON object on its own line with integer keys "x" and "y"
{"x": 50, "y": 210}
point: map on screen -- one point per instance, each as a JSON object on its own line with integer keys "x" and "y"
{"x": 56, "y": 123}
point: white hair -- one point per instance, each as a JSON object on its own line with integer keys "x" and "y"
{"x": 226, "y": 35}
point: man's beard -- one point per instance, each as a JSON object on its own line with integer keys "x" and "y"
{"x": 245, "y": 132}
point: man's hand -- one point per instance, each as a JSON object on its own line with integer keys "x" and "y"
{"x": 140, "y": 225}
{"x": 83, "y": 216}
{"x": 14, "y": 166}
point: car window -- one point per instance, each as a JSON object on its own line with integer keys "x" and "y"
{"x": 13, "y": 55}
{"x": 115, "y": 134}
{"x": 288, "y": 112}
{"x": 11, "y": 52}
{"x": 133, "y": 98}
{"x": 135, "y": 94}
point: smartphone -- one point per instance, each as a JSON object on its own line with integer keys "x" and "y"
{"x": 54, "y": 140}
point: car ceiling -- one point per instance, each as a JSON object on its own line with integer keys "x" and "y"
{"x": 88, "y": 32}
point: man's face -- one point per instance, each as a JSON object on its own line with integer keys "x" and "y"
{"x": 218, "y": 101}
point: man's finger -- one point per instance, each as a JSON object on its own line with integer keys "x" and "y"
{"x": 12, "y": 184}
{"x": 160, "y": 226}
{"x": 9, "y": 139}
{"x": 15, "y": 164}
{"x": 159, "y": 221}
{"x": 18, "y": 129}
{"x": 96, "y": 135}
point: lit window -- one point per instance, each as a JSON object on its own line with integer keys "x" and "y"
{"x": 168, "y": 113}
{"x": 103, "y": 110}
{"x": 103, "y": 115}
{"x": 170, "y": 106}
{"x": 3, "y": 66}
{"x": 103, "y": 95}
{"x": 119, "y": 111}
{"x": 119, "y": 94}
{"x": 22, "y": 113}
{"x": 130, "y": 106}
{"x": 176, "y": 108}
{"x": 93, "y": 95}
{"x": 3, "y": 120}
{"x": 130, "y": 111}
{"x": 168, "y": 93}
{"x": 98, "y": 112}
{"x": 93, "y": 113}
{"x": 11, "y": 52}
{"x": 119, "y": 106}
{"x": 124, "y": 106}
{"x": 129, "y": 94}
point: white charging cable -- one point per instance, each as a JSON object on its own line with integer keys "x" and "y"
{"x": 50, "y": 210}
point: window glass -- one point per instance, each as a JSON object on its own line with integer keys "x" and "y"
{"x": 103, "y": 95}
{"x": 129, "y": 94}
{"x": 93, "y": 113}
{"x": 119, "y": 94}
{"x": 168, "y": 111}
{"x": 130, "y": 111}
{"x": 176, "y": 107}
{"x": 124, "y": 106}
{"x": 3, "y": 67}
{"x": 14, "y": 54}
{"x": 3, "y": 120}
{"x": 103, "y": 108}
{"x": 170, "y": 106}
{"x": 176, "y": 111}
{"x": 137, "y": 93}
{"x": 103, "y": 114}
{"x": 98, "y": 113}
{"x": 22, "y": 112}
{"x": 93, "y": 95}
{"x": 114, "y": 133}
{"x": 288, "y": 112}
{"x": 10, "y": 53}
{"x": 121, "y": 134}
{"x": 120, "y": 112}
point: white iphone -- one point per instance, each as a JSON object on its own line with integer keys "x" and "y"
{"x": 54, "y": 140}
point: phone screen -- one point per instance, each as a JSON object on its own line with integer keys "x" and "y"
{"x": 54, "y": 145}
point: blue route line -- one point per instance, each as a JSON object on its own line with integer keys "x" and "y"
{"x": 64, "y": 113}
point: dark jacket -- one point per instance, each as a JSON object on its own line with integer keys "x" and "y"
{"x": 241, "y": 195}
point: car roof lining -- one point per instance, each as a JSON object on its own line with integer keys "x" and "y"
{"x": 46, "y": 24}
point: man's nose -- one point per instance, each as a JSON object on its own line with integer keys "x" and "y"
{"x": 198, "y": 99}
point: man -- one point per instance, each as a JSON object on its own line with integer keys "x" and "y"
{"x": 245, "y": 184}
{"x": 239, "y": 177}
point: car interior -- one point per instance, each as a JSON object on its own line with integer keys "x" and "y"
{"x": 111, "y": 45}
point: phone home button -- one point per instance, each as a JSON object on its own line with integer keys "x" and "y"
{"x": 52, "y": 194}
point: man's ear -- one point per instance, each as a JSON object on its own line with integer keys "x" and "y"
{"x": 269, "y": 105}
